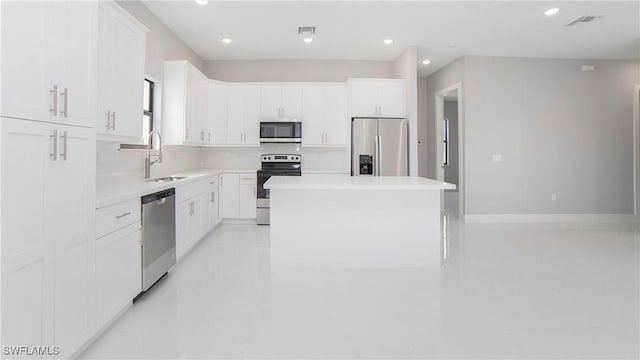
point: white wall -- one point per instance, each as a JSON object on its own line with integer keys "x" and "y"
{"x": 451, "y": 113}
{"x": 422, "y": 126}
{"x": 442, "y": 79}
{"x": 558, "y": 129}
{"x": 333, "y": 160}
{"x": 405, "y": 67}
{"x": 296, "y": 70}
{"x": 161, "y": 45}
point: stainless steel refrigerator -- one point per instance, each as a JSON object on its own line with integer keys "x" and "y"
{"x": 379, "y": 147}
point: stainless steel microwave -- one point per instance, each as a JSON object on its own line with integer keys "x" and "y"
{"x": 288, "y": 131}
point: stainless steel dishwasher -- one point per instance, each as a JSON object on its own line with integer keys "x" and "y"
{"x": 158, "y": 235}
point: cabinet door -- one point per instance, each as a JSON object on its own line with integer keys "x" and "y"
{"x": 271, "y": 103}
{"x": 247, "y": 202}
{"x": 78, "y": 73}
{"x": 364, "y": 99}
{"x": 235, "y": 116}
{"x": 28, "y": 59}
{"x": 218, "y": 97}
{"x": 313, "y": 115}
{"x": 215, "y": 207}
{"x": 194, "y": 131}
{"x": 230, "y": 192}
{"x": 292, "y": 101}
{"x": 118, "y": 271}
{"x": 251, "y": 123}
{"x": 27, "y": 249}
{"x": 71, "y": 222}
{"x": 121, "y": 74}
{"x": 200, "y": 219}
{"x": 391, "y": 99}
{"x": 183, "y": 220}
{"x": 336, "y": 119}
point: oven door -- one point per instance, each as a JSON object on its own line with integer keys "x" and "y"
{"x": 282, "y": 132}
{"x": 263, "y": 176}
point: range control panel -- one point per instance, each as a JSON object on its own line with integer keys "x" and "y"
{"x": 280, "y": 158}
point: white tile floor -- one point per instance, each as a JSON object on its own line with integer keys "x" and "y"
{"x": 505, "y": 291}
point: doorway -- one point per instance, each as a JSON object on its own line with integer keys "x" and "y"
{"x": 636, "y": 149}
{"x": 448, "y": 142}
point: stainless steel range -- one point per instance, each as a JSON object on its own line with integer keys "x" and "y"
{"x": 273, "y": 165}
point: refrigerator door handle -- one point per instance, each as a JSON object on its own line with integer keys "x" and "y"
{"x": 379, "y": 154}
{"x": 376, "y": 156}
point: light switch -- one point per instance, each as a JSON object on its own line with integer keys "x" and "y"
{"x": 496, "y": 158}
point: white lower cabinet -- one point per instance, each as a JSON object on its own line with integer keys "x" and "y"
{"x": 238, "y": 196}
{"x": 48, "y": 209}
{"x": 197, "y": 214}
{"x": 118, "y": 271}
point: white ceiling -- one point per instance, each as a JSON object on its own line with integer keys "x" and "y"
{"x": 355, "y": 30}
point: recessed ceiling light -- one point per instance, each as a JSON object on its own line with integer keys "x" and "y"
{"x": 226, "y": 41}
{"x": 426, "y": 62}
{"x": 551, "y": 11}
{"x": 452, "y": 43}
{"x": 388, "y": 41}
{"x": 307, "y": 39}
{"x": 202, "y": 2}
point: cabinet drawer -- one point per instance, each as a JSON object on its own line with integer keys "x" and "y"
{"x": 187, "y": 191}
{"x": 114, "y": 217}
{"x": 247, "y": 179}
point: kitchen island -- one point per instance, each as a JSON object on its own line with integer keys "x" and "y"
{"x": 328, "y": 221}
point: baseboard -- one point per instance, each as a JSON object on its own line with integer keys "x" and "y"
{"x": 87, "y": 344}
{"x": 550, "y": 218}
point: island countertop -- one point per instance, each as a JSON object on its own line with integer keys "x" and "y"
{"x": 346, "y": 182}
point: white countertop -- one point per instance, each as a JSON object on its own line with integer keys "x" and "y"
{"x": 117, "y": 190}
{"x": 346, "y": 182}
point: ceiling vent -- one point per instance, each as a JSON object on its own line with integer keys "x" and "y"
{"x": 584, "y": 19}
{"x": 307, "y": 30}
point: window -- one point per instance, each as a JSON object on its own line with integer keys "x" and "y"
{"x": 445, "y": 141}
{"x": 147, "y": 109}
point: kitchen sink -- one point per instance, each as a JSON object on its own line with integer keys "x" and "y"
{"x": 168, "y": 179}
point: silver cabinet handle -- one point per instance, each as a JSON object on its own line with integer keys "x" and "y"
{"x": 54, "y": 141}
{"x": 213, "y": 197}
{"x": 54, "y": 93}
{"x": 65, "y": 96}
{"x": 209, "y": 136}
{"x": 113, "y": 121}
{"x": 123, "y": 215}
{"x": 186, "y": 133}
{"x": 108, "y": 124}
{"x": 192, "y": 209}
{"x": 65, "y": 140}
{"x": 201, "y": 135}
{"x": 254, "y": 191}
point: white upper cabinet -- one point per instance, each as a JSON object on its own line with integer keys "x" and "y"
{"x": 378, "y": 98}
{"x": 243, "y": 115}
{"x": 120, "y": 73}
{"x": 218, "y": 107}
{"x": 281, "y": 101}
{"x": 49, "y": 61}
{"x": 325, "y": 115}
{"x": 185, "y": 104}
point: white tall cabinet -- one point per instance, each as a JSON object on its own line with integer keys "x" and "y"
{"x": 47, "y": 172}
{"x": 48, "y": 206}
{"x": 49, "y": 61}
{"x": 120, "y": 73}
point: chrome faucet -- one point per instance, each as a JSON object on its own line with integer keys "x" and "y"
{"x": 147, "y": 159}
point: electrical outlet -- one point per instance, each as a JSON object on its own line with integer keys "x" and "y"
{"x": 554, "y": 197}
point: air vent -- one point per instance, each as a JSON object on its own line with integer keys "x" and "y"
{"x": 584, "y": 19}
{"x": 307, "y": 30}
